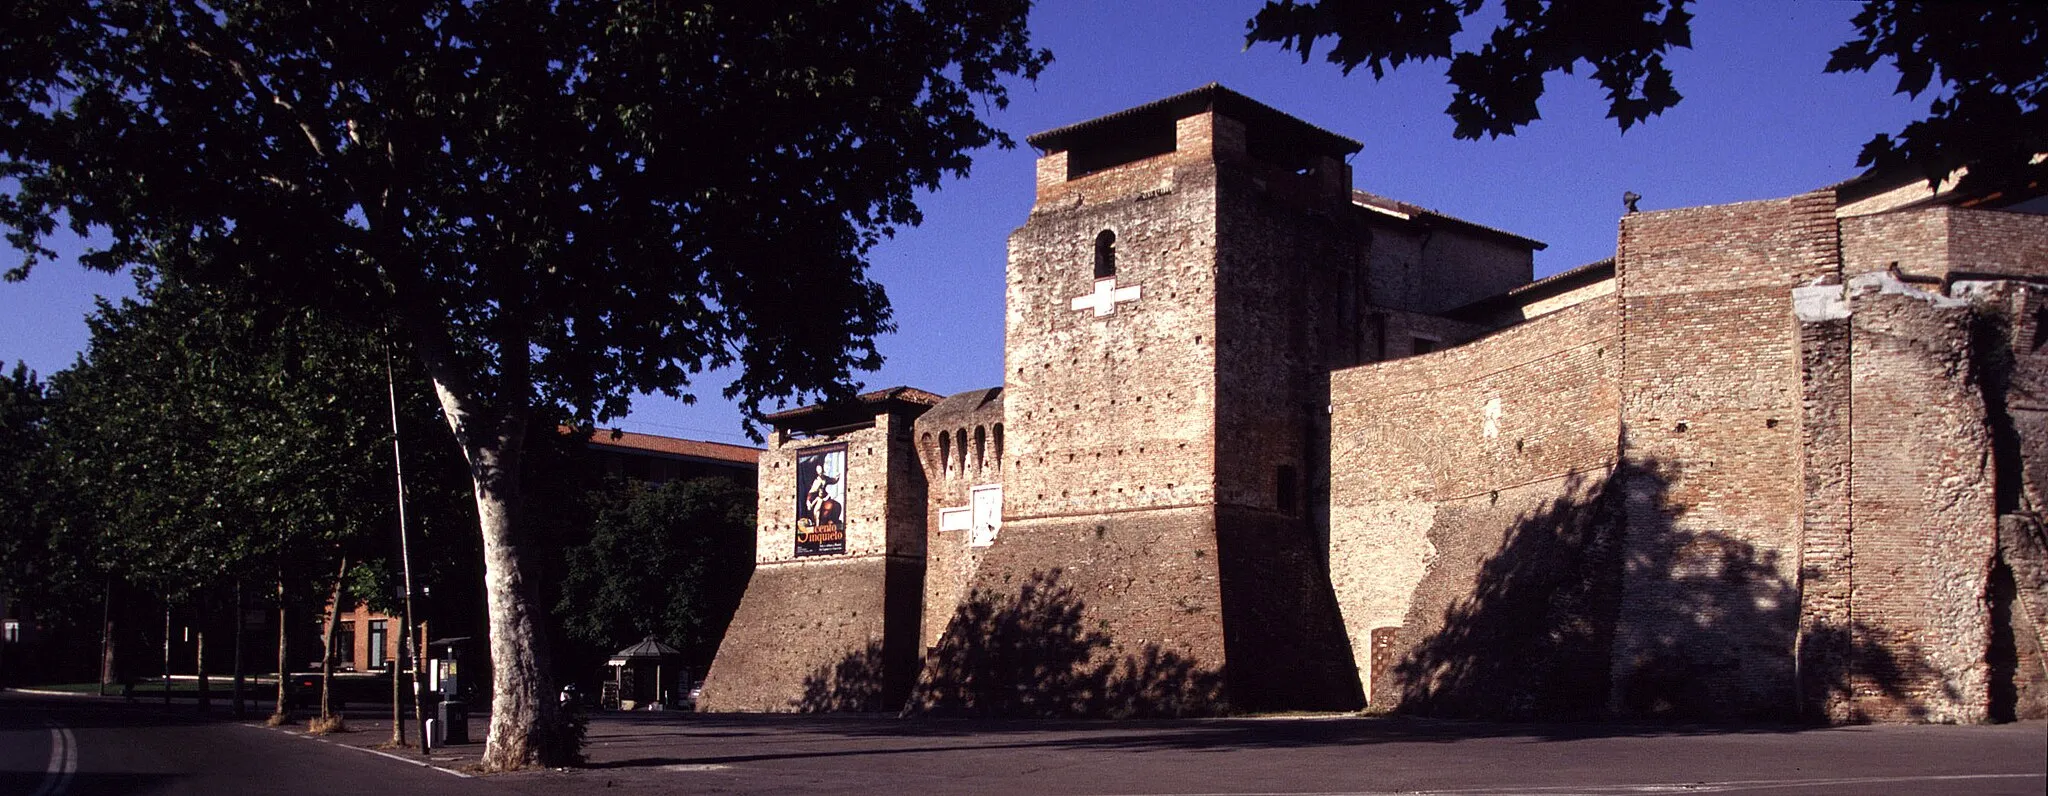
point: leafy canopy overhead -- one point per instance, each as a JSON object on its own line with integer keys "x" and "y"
{"x": 209, "y": 437}
{"x": 1495, "y": 87}
{"x": 1986, "y": 60}
{"x": 587, "y": 198}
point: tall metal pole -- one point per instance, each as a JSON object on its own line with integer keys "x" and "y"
{"x": 405, "y": 565}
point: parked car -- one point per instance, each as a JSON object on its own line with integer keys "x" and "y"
{"x": 304, "y": 692}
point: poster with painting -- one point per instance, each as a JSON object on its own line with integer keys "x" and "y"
{"x": 821, "y": 501}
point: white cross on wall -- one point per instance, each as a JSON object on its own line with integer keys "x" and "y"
{"x": 1106, "y": 296}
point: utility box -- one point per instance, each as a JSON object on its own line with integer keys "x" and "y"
{"x": 454, "y": 718}
{"x": 445, "y": 680}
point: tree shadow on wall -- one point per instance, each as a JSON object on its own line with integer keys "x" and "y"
{"x": 853, "y": 684}
{"x": 1862, "y": 678}
{"x": 1531, "y": 636}
{"x": 1033, "y": 654}
{"x": 1597, "y": 605}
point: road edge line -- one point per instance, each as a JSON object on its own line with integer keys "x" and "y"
{"x": 377, "y": 752}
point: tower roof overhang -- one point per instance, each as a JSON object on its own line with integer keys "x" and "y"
{"x": 863, "y": 408}
{"x": 1278, "y": 127}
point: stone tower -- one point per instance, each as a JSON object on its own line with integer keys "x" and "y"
{"x": 1187, "y": 272}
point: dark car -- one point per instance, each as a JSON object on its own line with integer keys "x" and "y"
{"x": 304, "y": 692}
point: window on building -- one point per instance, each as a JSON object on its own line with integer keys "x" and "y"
{"x": 980, "y": 448}
{"x": 378, "y": 638}
{"x": 998, "y": 434}
{"x": 1424, "y": 345}
{"x": 13, "y": 631}
{"x": 1105, "y": 254}
{"x": 945, "y": 453}
{"x": 1284, "y": 489}
{"x": 345, "y": 645}
{"x": 960, "y": 449}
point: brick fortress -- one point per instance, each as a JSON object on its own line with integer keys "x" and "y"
{"x": 1269, "y": 442}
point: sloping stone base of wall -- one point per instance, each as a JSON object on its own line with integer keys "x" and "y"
{"x": 1281, "y": 628}
{"x": 807, "y": 638}
{"x": 1128, "y": 623}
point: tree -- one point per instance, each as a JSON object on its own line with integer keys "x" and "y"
{"x": 213, "y": 437}
{"x": 670, "y": 560}
{"x": 561, "y": 204}
{"x": 40, "y": 566}
{"x": 212, "y": 440}
{"x": 24, "y": 518}
{"x": 1988, "y": 60}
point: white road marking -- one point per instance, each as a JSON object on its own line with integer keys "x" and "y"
{"x": 63, "y": 762}
{"x": 1727, "y": 786}
{"x": 379, "y": 753}
{"x": 688, "y": 767}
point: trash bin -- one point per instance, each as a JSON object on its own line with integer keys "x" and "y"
{"x": 454, "y": 716}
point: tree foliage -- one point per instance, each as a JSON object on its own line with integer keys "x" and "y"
{"x": 561, "y": 204}
{"x": 585, "y": 198}
{"x": 218, "y": 438}
{"x": 1986, "y": 60}
{"x": 1495, "y": 87}
{"x": 668, "y": 560}
{"x": 1988, "y": 65}
{"x": 39, "y": 564}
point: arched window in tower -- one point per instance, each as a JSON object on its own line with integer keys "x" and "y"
{"x": 960, "y": 447}
{"x": 980, "y": 448}
{"x": 1105, "y": 254}
{"x": 997, "y": 433}
{"x": 945, "y": 453}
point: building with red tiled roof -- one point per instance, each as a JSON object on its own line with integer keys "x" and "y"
{"x": 659, "y": 459}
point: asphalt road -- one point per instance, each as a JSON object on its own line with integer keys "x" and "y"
{"x": 123, "y": 749}
{"x": 58, "y": 746}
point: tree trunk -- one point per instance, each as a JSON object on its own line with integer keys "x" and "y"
{"x": 284, "y": 669}
{"x": 397, "y": 663}
{"x": 106, "y": 635}
{"x": 199, "y": 660}
{"x": 524, "y": 730}
{"x": 333, "y": 629}
{"x": 167, "y": 653}
{"x": 525, "y": 727}
{"x": 239, "y": 682}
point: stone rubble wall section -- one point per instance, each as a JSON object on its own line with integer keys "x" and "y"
{"x": 1436, "y": 458}
{"x": 812, "y": 631}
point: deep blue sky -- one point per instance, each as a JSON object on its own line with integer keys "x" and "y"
{"x": 1759, "y": 120}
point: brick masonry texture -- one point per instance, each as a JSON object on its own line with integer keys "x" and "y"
{"x": 1786, "y": 462}
{"x": 1709, "y": 607}
{"x": 835, "y": 632}
{"x": 1449, "y": 470}
{"x": 961, "y": 445}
